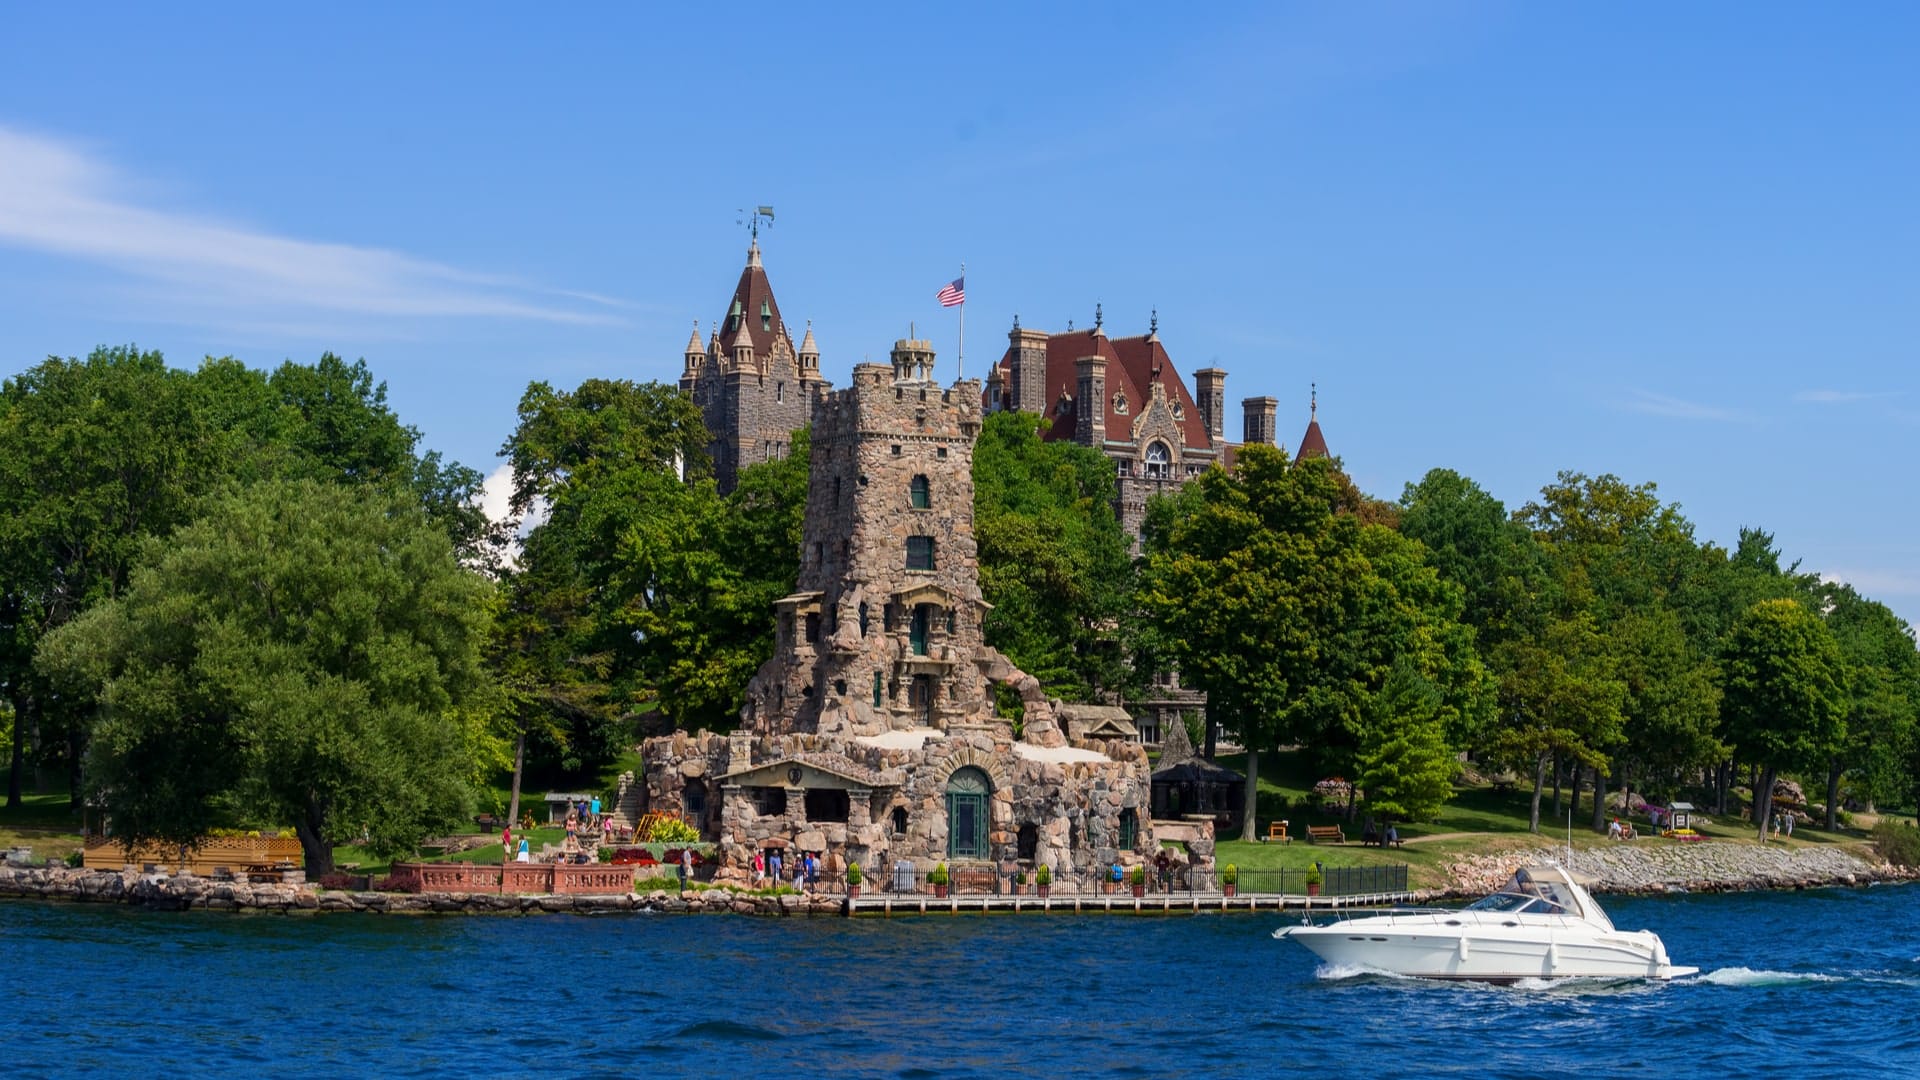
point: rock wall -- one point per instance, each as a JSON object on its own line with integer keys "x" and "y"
{"x": 1636, "y": 867}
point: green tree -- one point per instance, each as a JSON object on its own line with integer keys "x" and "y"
{"x": 1054, "y": 561}
{"x": 1290, "y": 613}
{"x": 1785, "y": 690}
{"x": 1473, "y": 542}
{"x": 1405, "y": 763}
{"x": 302, "y": 652}
{"x": 1883, "y": 686}
{"x": 1559, "y": 696}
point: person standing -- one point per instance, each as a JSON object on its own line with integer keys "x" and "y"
{"x": 506, "y": 842}
{"x": 773, "y": 867}
{"x": 686, "y": 867}
{"x": 759, "y": 868}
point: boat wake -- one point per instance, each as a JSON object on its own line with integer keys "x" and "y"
{"x": 1744, "y": 976}
{"x": 1337, "y": 972}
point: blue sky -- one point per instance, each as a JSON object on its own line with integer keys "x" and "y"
{"x": 1673, "y": 242}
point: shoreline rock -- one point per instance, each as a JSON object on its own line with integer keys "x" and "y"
{"x": 1640, "y": 868}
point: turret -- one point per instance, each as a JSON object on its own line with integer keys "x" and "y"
{"x": 1210, "y": 394}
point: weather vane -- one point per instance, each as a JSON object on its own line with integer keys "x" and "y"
{"x": 752, "y": 221}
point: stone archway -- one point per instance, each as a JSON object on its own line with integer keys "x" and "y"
{"x": 969, "y": 794}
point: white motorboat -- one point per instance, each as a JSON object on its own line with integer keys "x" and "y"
{"x": 1541, "y": 925}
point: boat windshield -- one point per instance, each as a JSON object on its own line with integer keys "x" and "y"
{"x": 1532, "y": 895}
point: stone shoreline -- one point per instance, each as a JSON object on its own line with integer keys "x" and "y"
{"x": 1624, "y": 868}
{"x": 1636, "y": 867}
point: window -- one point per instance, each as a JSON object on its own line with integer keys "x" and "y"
{"x": 770, "y": 801}
{"x": 951, "y": 622}
{"x": 863, "y": 624}
{"x": 917, "y": 629}
{"x": 826, "y": 804}
{"x": 1129, "y": 829}
{"x": 840, "y": 687}
{"x": 694, "y": 798}
{"x": 1028, "y": 841}
{"x": 896, "y": 449}
{"x": 813, "y": 627}
{"x": 920, "y": 493}
{"x": 941, "y": 453}
{"x": 779, "y": 392}
{"x": 876, "y": 689}
{"x": 1158, "y": 459}
{"x": 899, "y": 821}
{"x": 967, "y": 792}
{"x": 766, "y": 316}
{"x": 919, "y": 552}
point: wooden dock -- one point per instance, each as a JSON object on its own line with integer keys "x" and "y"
{"x": 1114, "y": 904}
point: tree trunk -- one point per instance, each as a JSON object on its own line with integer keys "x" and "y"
{"x": 76, "y": 744}
{"x": 1626, "y": 793}
{"x": 1559, "y": 804}
{"x": 314, "y": 849}
{"x": 1599, "y": 800}
{"x": 1573, "y": 793}
{"x": 1539, "y": 784}
{"x": 1208, "y": 733}
{"x": 519, "y": 761}
{"x": 1722, "y": 781}
{"x": 1250, "y": 807}
{"x": 1763, "y": 801}
{"x": 19, "y": 749}
{"x": 1833, "y": 795}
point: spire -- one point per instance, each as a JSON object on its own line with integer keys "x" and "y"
{"x": 753, "y": 252}
{"x": 1313, "y": 444}
{"x": 807, "y": 347}
{"x": 1153, "y": 325}
{"x": 693, "y": 343}
{"x": 1099, "y": 319}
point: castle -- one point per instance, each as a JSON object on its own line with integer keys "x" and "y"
{"x": 871, "y": 735}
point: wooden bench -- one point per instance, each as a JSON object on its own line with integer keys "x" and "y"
{"x": 1321, "y": 834}
{"x": 1277, "y": 830}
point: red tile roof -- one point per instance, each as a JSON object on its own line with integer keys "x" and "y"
{"x": 1312, "y": 444}
{"x": 1133, "y": 365}
{"x": 754, "y": 290}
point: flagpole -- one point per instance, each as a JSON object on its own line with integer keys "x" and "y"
{"x": 960, "y": 352}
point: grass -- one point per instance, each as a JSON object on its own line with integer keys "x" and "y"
{"x": 45, "y": 823}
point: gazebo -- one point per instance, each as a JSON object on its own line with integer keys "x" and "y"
{"x": 1197, "y": 786}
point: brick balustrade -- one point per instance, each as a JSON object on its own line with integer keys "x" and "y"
{"x": 560, "y": 879}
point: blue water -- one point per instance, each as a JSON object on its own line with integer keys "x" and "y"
{"x": 1805, "y": 984}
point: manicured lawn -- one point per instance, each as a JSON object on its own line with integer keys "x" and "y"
{"x": 45, "y": 823}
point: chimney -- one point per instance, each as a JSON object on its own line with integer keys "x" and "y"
{"x": 1259, "y": 413}
{"x": 1090, "y": 402}
{"x": 1210, "y": 386}
{"x": 1027, "y": 389}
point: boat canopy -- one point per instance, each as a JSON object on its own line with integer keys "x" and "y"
{"x": 1543, "y": 890}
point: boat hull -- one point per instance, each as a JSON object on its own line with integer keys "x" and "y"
{"x": 1504, "y": 953}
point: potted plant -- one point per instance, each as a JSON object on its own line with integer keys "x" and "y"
{"x": 1139, "y": 881}
{"x": 1043, "y": 880}
{"x": 1313, "y": 880}
{"x": 1019, "y": 882}
{"x": 1230, "y": 880}
{"x": 938, "y": 879}
{"x": 853, "y": 881}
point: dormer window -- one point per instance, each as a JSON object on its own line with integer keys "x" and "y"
{"x": 1120, "y": 403}
{"x": 1159, "y": 460}
{"x": 766, "y": 316}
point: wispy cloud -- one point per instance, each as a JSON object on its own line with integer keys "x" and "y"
{"x": 1842, "y": 397}
{"x": 1652, "y": 404}
{"x": 58, "y": 198}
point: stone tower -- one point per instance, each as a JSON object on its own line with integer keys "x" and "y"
{"x": 883, "y": 631}
{"x": 753, "y": 387}
{"x": 1258, "y": 416}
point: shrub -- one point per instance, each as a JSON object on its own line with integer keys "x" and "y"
{"x": 1044, "y": 875}
{"x": 401, "y": 882}
{"x": 1898, "y": 844}
{"x": 1231, "y": 875}
{"x": 1019, "y": 877}
{"x": 939, "y": 875}
{"x": 335, "y": 880}
{"x": 1139, "y": 875}
{"x": 853, "y": 873}
{"x": 76, "y": 859}
{"x": 1313, "y": 875}
{"x": 671, "y": 831}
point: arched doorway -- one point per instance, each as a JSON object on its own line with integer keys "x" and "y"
{"x": 967, "y": 793}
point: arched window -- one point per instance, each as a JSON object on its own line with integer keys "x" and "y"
{"x": 920, "y": 493}
{"x": 968, "y": 790}
{"x": 899, "y": 821}
{"x": 1129, "y": 829}
{"x": 863, "y": 618}
{"x": 1159, "y": 460}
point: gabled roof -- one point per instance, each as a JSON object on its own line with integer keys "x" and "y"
{"x": 751, "y": 293}
{"x": 775, "y": 773}
{"x": 1133, "y": 365}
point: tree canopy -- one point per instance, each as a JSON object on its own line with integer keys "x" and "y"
{"x": 300, "y": 653}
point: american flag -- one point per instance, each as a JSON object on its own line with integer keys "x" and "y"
{"x": 955, "y": 293}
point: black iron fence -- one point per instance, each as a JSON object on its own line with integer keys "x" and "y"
{"x": 903, "y": 879}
